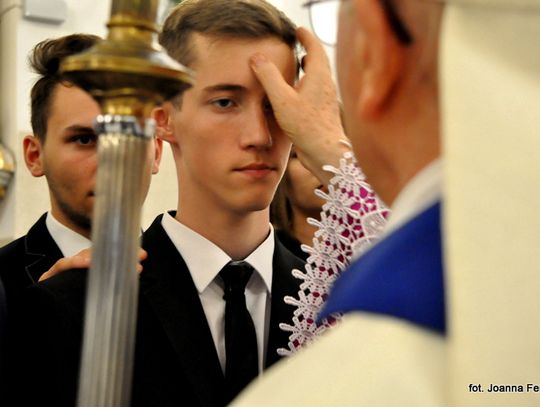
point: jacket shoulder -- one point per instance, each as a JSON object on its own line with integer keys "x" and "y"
{"x": 12, "y": 251}
{"x": 287, "y": 256}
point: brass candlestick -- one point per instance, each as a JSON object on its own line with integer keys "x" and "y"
{"x": 128, "y": 75}
{"x": 7, "y": 169}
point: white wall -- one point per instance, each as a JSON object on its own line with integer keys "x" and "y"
{"x": 27, "y": 197}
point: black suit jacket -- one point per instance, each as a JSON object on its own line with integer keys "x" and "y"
{"x": 23, "y": 261}
{"x": 176, "y": 362}
{"x": 3, "y": 323}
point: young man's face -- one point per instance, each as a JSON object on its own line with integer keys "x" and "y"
{"x": 230, "y": 151}
{"x": 68, "y": 157}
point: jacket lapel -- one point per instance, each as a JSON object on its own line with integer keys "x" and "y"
{"x": 169, "y": 289}
{"x": 41, "y": 251}
{"x": 283, "y": 284}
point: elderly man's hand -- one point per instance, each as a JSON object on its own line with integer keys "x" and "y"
{"x": 309, "y": 111}
{"x": 81, "y": 261}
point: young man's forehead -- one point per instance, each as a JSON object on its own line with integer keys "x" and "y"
{"x": 72, "y": 106}
{"x": 226, "y": 61}
{"x": 199, "y": 43}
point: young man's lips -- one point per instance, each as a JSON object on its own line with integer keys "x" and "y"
{"x": 256, "y": 170}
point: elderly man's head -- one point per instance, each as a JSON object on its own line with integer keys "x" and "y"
{"x": 387, "y": 69}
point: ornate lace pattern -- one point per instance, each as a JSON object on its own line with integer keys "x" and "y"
{"x": 351, "y": 219}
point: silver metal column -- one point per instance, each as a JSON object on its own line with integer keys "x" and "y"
{"x": 128, "y": 75}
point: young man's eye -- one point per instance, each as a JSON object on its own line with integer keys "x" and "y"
{"x": 85, "y": 139}
{"x": 223, "y": 103}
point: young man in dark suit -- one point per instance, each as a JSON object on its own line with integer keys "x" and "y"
{"x": 201, "y": 336}
{"x": 63, "y": 149}
{"x": 61, "y": 118}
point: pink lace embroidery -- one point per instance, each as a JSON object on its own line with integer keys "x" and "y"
{"x": 351, "y": 220}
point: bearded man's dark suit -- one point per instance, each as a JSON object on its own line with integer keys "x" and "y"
{"x": 3, "y": 322}
{"x": 176, "y": 362}
{"x": 23, "y": 261}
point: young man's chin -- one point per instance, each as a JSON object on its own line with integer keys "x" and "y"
{"x": 253, "y": 205}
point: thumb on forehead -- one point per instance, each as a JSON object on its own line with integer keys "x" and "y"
{"x": 271, "y": 79}
{"x": 315, "y": 56}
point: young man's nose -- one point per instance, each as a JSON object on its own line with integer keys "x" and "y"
{"x": 256, "y": 130}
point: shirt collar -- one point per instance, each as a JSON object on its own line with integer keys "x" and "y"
{"x": 69, "y": 241}
{"x": 423, "y": 190}
{"x": 205, "y": 260}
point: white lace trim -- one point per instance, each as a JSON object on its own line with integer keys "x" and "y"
{"x": 351, "y": 220}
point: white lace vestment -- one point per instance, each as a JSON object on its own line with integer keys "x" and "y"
{"x": 351, "y": 219}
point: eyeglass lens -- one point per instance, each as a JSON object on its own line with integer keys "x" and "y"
{"x": 324, "y": 16}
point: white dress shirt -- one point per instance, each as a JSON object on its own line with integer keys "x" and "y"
{"x": 205, "y": 260}
{"x": 69, "y": 241}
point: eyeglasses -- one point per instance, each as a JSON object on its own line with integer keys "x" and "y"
{"x": 323, "y": 16}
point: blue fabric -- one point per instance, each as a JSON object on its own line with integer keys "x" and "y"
{"x": 401, "y": 276}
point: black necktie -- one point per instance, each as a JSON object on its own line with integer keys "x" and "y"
{"x": 241, "y": 353}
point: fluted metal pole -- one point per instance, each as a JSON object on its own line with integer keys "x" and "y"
{"x": 111, "y": 305}
{"x": 128, "y": 74}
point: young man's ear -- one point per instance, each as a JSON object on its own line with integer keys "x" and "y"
{"x": 383, "y": 58}
{"x": 163, "y": 116}
{"x": 158, "y": 150}
{"x": 33, "y": 155}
